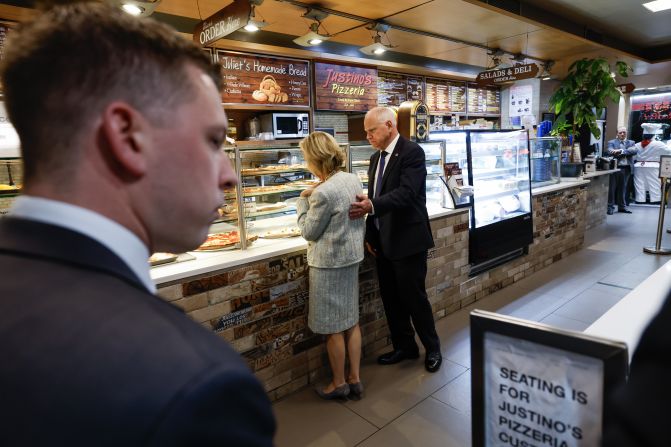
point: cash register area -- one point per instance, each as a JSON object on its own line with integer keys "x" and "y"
{"x": 405, "y": 406}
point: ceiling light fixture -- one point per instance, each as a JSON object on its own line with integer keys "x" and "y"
{"x": 132, "y": 9}
{"x": 313, "y": 37}
{"x": 545, "y": 73}
{"x": 137, "y": 8}
{"x": 254, "y": 25}
{"x": 658, "y": 5}
{"x": 377, "y": 47}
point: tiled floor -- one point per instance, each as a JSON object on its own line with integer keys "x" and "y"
{"x": 405, "y": 406}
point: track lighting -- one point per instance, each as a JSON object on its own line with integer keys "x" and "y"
{"x": 313, "y": 37}
{"x": 254, "y": 25}
{"x": 545, "y": 73}
{"x": 138, "y": 8}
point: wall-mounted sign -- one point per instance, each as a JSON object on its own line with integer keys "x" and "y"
{"x": 515, "y": 73}
{"x": 521, "y": 100}
{"x": 665, "y": 166}
{"x": 222, "y": 23}
{"x": 345, "y": 88}
{"x": 415, "y": 88}
{"x": 250, "y": 79}
{"x": 445, "y": 96}
{"x": 392, "y": 89}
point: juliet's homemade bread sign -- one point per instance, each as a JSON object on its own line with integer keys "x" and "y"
{"x": 263, "y": 80}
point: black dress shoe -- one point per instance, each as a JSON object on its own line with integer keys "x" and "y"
{"x": 610, "y": 211}
{"x": 433, "y": 361}
{"x": 391, "y": 357}
{"x": 624, "y": 210}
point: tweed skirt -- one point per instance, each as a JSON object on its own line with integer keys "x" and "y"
{"x": 334, "y": 299}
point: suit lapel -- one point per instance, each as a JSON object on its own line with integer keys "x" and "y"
{"x": 398, "y": 149}
{"x": 374, "y": 159}
{"x": 36, "y": 239}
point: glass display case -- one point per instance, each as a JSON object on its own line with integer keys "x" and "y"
{"x": 434, "y": 169}
{"x": 495, "y": 165}
{"x": 359, "y": 161}
{"x": 11, "y": 179}
{"x": 262, "y": 206}
{"x": 545, "y": 161}
{"x": 457, "y": 192}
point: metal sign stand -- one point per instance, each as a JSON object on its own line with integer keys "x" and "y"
{"x": 664, "y": 174}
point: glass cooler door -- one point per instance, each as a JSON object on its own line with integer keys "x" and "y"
{"x": 501, "y": 224}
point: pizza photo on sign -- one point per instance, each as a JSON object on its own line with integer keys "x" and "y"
{"x": 270, "y": 91}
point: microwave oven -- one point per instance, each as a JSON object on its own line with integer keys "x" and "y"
{"x": 285, "y": 125}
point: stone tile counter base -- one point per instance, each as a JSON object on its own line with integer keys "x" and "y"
{"x": 261, "y": 308}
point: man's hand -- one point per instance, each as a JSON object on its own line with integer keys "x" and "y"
{"x": 370, "y": 249}
{"x": 359, "y": 209}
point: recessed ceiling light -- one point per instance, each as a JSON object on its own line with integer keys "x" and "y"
{"x": 132, "y": 9}
{"x": 658, "y": 5}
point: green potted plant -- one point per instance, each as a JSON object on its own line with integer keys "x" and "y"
{"x": 583, "y": 95}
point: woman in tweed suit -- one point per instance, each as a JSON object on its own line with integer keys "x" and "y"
{"x": 335, "y": 248}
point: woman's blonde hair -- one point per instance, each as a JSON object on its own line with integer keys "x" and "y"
{"x": 322, "y": 150}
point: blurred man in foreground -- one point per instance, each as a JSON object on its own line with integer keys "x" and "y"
{"x": 121, "y": 125}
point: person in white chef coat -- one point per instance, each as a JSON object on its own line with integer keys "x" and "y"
{"x": 646, "y": 168}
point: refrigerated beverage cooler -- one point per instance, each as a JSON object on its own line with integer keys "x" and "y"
{"x": 495, "y": 169}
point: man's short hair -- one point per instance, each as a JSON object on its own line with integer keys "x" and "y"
{"x": 63, "y": 68}
{"x": 621, "y": 128}
{"x": 383, "y": 114}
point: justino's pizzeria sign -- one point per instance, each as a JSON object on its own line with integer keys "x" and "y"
{"x": 343, "y": 87}
{"x": 507, "y": 74}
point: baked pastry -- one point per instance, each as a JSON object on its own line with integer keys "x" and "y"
{"x": 284, "y": 232}
{"x": 162, "y": 258}
{"x": 220, "y": 241}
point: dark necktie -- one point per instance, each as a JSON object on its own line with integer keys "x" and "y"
{"x": 380, "y": 172}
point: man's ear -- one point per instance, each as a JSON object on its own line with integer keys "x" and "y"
{"x": 125, "y": 130}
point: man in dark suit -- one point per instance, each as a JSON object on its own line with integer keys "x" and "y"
{"x": 121, "y": 158}
{"x": 623, "y": 150}
{"x": 398, "y": 235}
{"x": 639, "y": 412}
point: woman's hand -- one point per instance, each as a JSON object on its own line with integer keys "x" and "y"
{"x": 307, "y": 192}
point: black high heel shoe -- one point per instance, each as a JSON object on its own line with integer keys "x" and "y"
{"x": 340, "y": 392}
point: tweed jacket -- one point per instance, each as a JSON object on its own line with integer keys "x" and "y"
{"x": 91, "y": 358}
{"x": 333, "y": 239}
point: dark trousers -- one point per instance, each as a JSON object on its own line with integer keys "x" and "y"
{"x": 617, "y": 189}
{"x": 404, "y": 298}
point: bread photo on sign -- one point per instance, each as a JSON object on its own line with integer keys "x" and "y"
{"x": 269, "y": 91}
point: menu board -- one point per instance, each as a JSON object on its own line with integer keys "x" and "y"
{"x": 345, "y": 88}
{"x": 263, "y": 80}
{"x": 445, "y": 96}
{"x": 484, "y": 100}
{"x": 415, "y": 86}
{"x": 458, "y": 97}
{"x": 494, "y": 101}
{"x": 392, "y": 89}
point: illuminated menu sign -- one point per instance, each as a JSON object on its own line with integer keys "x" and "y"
{"x": 415, "y": 85}
{"x": 262, "y": 80}
{"x": 484, "y": 100}
{"x": 445, "y": 96}
{"x": 345, "y": 88}
{"x": 392, "y": 89}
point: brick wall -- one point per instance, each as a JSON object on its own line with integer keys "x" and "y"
{"x": 261, "y": 308}
{"x": 597, "y": 201}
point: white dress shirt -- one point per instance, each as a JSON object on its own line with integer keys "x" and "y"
{"x": 389, "y": 150}
{"x": 115, "y": 237}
